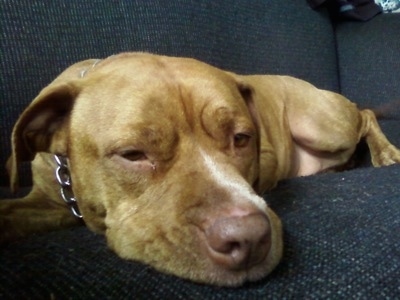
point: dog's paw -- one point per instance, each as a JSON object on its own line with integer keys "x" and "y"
{"x": 388, "y": 156}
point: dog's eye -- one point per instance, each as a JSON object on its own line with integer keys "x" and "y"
{"x": 133, "y": 155}
{"x": 241, "y": 140}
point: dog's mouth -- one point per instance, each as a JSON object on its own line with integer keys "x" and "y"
{"x": 226, "y": 252}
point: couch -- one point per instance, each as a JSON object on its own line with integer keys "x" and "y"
{"x": 341, "y": 230}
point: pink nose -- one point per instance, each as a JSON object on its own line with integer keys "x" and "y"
{"x": 239, "y": 242}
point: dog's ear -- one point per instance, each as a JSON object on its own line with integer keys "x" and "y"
{"x": 43, "y": 124}
{"x": 268, "y": 163}
{"x": 42, "y": 127}
{"x": 247, "y": 92}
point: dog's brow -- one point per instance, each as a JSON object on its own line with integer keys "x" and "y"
{"x": 144, "y": 137}
{"x": 225, "y": 121}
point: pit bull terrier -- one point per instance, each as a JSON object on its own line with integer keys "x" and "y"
{"x": 168, "y": 156}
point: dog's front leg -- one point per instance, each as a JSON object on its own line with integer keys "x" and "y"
{"x": 32, "y": 214}
{"x": 383, "y": 153}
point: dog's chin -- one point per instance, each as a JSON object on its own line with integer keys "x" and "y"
{"x": 193, "y": 263}
{"x": 213, "y": 274}
{"x": 216, "y": 275}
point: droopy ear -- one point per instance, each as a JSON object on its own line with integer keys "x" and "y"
{"x": 268, "y": 162}
{"x": 42, "y": 127}
{"x": 247, "y": 92}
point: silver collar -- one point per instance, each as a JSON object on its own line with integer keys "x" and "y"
{"x": 63, "y": 177}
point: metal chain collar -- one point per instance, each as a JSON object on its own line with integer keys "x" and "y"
{"x": 64, "y": 179}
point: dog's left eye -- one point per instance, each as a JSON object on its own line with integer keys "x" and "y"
{"x": 241, "y": 140}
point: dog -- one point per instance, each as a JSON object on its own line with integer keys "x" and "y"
{"x": 167, "y": 158}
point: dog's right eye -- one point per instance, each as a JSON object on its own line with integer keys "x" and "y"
{"x": 241, "y": 140}
{"x": 132, "y": 155}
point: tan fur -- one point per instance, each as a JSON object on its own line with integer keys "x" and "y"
{"x": 152, "y": 155}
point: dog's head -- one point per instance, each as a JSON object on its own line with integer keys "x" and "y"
{"x": 164, "y": 159}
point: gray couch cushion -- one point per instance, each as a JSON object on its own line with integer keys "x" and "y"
{"x": 41, "y": 39}
{"x": 369, "y": 60}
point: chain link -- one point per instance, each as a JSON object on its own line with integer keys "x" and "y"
{"x": 64, "y": 179}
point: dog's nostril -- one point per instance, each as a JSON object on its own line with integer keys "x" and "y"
{"x": 239, "y": 242}
{"x": 222, "y": 246}
{"x": 233, "y": 246}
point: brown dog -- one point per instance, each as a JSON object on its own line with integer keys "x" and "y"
{"x": 166, "y": 156}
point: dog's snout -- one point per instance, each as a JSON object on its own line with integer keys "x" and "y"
{"x": 239, "y": 242}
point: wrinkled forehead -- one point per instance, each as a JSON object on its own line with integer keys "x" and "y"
{"x": 126, "y": 91}
{"x": 140, "y": 79}
{"x": 145, "y": 69}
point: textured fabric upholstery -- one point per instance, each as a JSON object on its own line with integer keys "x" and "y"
{"x": 369, "y": 66}
{"x": 369, "y": 60}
